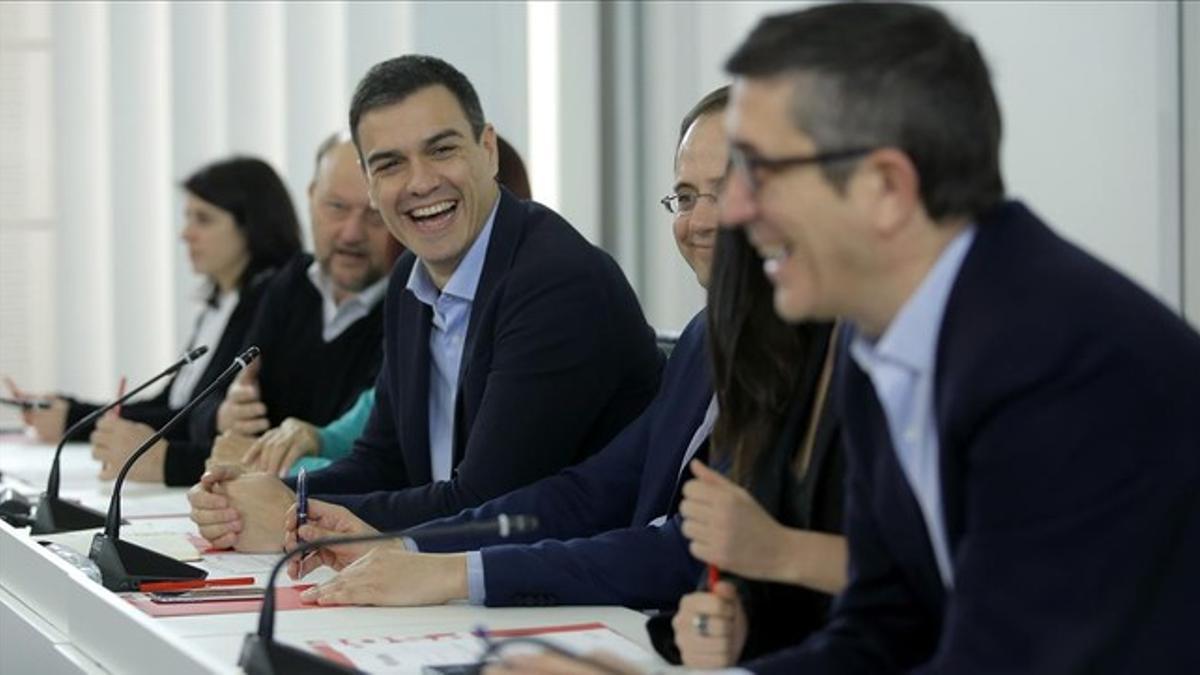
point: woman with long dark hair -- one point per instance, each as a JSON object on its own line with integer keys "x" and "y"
{"x": 772, "y": 528}
{"x": 239, "y": 226}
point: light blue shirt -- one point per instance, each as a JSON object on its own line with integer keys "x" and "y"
{"x": 901, "y": 367}
{"x": 451, "y": 315}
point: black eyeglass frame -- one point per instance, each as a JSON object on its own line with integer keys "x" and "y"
{"x": 752, "y": 165}
{"x": 674, "y": 197}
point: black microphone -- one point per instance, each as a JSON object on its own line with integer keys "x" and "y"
{"x": 261, "y": 655}
{"x": 54, "y": 514}
{"x": 124, "y": 566}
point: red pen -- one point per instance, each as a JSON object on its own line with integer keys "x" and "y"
{"x": 120, "y": 393}
{"x": 714, "y": 575}
{"x": 192, "y": 584}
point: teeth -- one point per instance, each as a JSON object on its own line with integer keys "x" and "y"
{"x": 432, "y": 209}
{"x": 773, "y": 253}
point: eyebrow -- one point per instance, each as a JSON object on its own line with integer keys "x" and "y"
{"x": 378, "y": 155}
{"x": 684, "y": 184}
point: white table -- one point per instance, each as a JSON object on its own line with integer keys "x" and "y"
{"x": 54, "y": 619}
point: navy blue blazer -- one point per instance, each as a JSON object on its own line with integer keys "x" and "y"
{"x": 558, "y": 358}
{"x": 595, "y": 545}
{"x": 1068, "y": 410}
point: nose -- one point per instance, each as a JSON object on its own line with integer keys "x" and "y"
{"x": 354, "y": 229}
{"x": 737, "y": 205}
{"x": 422, "y": 178}
{"x": 703, "y": 219}
{"x": 188, "y": 233}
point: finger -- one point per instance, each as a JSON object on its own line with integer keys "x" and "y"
{"x": 250, "y": 410}
{"x": 13, "y": 388}
{"x": 251, "y": 427}
{"x": 709, "y": 604}
{"x": 692, "y": 509}
{"x": 293, "y": 455}
{"x": 205, "y": 517}
{"x": 275, "y": 459}
{"x": 289, "y": 519}
{"x": 202, "y": 499}
{"x": 219, "y": 473}
{"x": 253, "y": 452}
{"x": 227, "y": 540}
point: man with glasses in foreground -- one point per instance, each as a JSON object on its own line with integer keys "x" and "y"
{"x": 1024, "y": 448}
{"x": 608, "y": 528}
{"x": 1022, "y": 427}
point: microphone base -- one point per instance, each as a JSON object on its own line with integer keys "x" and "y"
{"x": 56, "y": 515}
{"x": 124, "y": 566}
{"x": 267, "y": 657}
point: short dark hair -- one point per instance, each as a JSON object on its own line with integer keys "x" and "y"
{"x": 888, "y": 74}
{"x": 714, "y": 101}
{"x": 394, "y": 80}
{"x": 251, "y": 191}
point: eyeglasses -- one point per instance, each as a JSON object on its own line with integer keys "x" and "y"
{"x": 758, "y": 169}
{"x": 684, "y": 201}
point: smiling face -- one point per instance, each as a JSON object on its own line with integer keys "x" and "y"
{"x": 813, "y": 239}
{"x": 216, "y": 245}
{"x": 700, "y": 169}
{"x": 433, "y": 182}
{"x": 350, "y": 241}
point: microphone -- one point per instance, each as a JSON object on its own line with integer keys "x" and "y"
{"x": 261, "y": 655}
{"x": 55, "y": 515}
{"x": 124, "y": 566}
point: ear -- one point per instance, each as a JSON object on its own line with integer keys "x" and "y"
{"x": 488, "y": 139}
{"x": 891, "y": 189}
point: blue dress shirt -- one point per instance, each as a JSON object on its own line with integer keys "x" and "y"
{"x": 451, "y": 315}
{"x": 901, "y": 368}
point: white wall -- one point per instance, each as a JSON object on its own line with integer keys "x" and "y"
{"x": 140, "y": 94}
{"x": 1090, "y": 95}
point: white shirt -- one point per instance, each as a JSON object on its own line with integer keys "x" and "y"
{"x": 337, "y": 318}
{"x": 901, "y": 366}
{"x": 209, "y": 329}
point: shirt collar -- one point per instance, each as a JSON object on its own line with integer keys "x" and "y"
{"x": 910, "y": 340}
{"x": 324, "y": 285}
{"x": 465, "y": 280}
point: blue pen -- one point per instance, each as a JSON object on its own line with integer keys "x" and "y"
{"x": 302, "y": 512}
{"x": 301, "y": 503}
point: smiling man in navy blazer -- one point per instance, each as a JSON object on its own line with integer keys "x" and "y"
{"x": 1023, "y": 422}
{"x": 609, "y": 532}
{"x": 512, "y": 349}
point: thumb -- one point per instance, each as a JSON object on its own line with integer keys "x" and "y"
{"x": 706, "y": 475}
{"x": 250, "y": 373}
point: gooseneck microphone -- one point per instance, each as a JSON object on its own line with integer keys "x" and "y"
{"x": 124, "y": 566}
{"x": 261, "y": 655}
{"x": 55, "y": 515}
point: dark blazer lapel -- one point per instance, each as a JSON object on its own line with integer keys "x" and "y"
{"x": 413, "y": 381}
{"x": 956, "y": 346}
{"x": 693, "y": 399}
{"x": 502, "y": 248}
{"x": 894, "y": 506}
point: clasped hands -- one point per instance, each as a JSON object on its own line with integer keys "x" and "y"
{"x": 256, "y": 512}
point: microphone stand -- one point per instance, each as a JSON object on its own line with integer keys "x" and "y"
{"x": 124, "y": 566}
{"x": 262, "y": 655}
{"x": 54, "y": 514}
